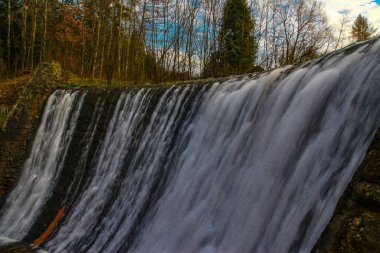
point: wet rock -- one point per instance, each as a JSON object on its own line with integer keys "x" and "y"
{"x": 367, "y": 194}
{"x": 355, "y": 225}
{"x": 17, "y": 247}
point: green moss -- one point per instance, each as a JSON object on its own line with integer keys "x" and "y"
{"x": 2, "y": 119}
{"x": 359, "y": 235}
{"x": 72, "y": 84}
{"x": 4, "y": 112}
{"x": 355, "y": 225}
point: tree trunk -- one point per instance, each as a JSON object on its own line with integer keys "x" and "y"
{"x": 102, "y": 57}
{"x": 83, "y": 39}
{"x": 23, "y": 34}
{"x": 43, "y": 50}
{"x": 119, "y": 39}
{"x": 9, "y": 19}
{"x": 96, "y": 50}
{"x": 34, "y": 28}
{"x": 109, "y": 63}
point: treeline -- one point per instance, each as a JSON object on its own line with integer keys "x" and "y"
{"x": 161, "y": 40}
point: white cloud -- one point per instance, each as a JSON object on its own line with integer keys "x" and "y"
{"x": 368, "y": 8}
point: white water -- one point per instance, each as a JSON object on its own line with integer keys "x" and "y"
{"x": 42, "y": 167}
{"x": 6, "y": 241}
{"x": 247, "y": 165}
{"x": 268, "y": 160}
{"x": 85, "y": 219}
{"x": 110, "y": 160}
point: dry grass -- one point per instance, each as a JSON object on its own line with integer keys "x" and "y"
{"x": 10, "y": 90}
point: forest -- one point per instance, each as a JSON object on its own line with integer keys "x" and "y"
{"x": 155, "y": 41}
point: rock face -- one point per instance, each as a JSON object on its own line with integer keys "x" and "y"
{"x": 19, "y": 129}
{"x": 18, "y": 247}
{"x": 355, "y": 225}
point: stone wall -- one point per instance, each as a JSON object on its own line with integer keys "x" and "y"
{"x": 20, "y": 127}
{"x": 355, "y": 226}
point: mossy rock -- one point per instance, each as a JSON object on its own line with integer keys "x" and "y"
{"x": 355, "y": 225}
{"x": 360, "y": 233}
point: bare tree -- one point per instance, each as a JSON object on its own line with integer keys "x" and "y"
{"x": 9, "y": 20}
{"x": 33, "y": 32}
{"x": 343, "y": 24}
{"x": 43, "y": 48}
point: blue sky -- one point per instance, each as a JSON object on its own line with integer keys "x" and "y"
{"x": 368, "y": 8}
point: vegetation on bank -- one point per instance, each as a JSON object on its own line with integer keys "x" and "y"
{"x": 10, "y": 92}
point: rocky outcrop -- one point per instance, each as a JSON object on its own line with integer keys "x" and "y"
{"x": 355, "y": 225}
{"x": 20, "y": 127}
{"x": 18, "y": 247}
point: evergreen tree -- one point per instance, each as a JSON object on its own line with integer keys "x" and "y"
{"x": 362, "y": 29}
{"x": 237, "y": 42}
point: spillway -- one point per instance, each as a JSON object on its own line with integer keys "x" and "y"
{"x": 246, "y": 164}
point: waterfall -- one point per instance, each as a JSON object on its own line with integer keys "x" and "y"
{"x": 247, "y": 164}
{"x": 43, "y": 165}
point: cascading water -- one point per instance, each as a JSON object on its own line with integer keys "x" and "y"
{"x": 43, "y": 166}
{"x": 245, "y": 165}
{"x": 112, "y": 206}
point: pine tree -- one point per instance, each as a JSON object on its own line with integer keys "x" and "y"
{"x": 362, "y": 29}
{"x": 237, "y": 42}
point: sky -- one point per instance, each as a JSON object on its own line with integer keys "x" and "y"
{"x": 368, "y": 8}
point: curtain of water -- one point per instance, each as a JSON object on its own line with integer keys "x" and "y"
{"x": 43, "y": 165}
